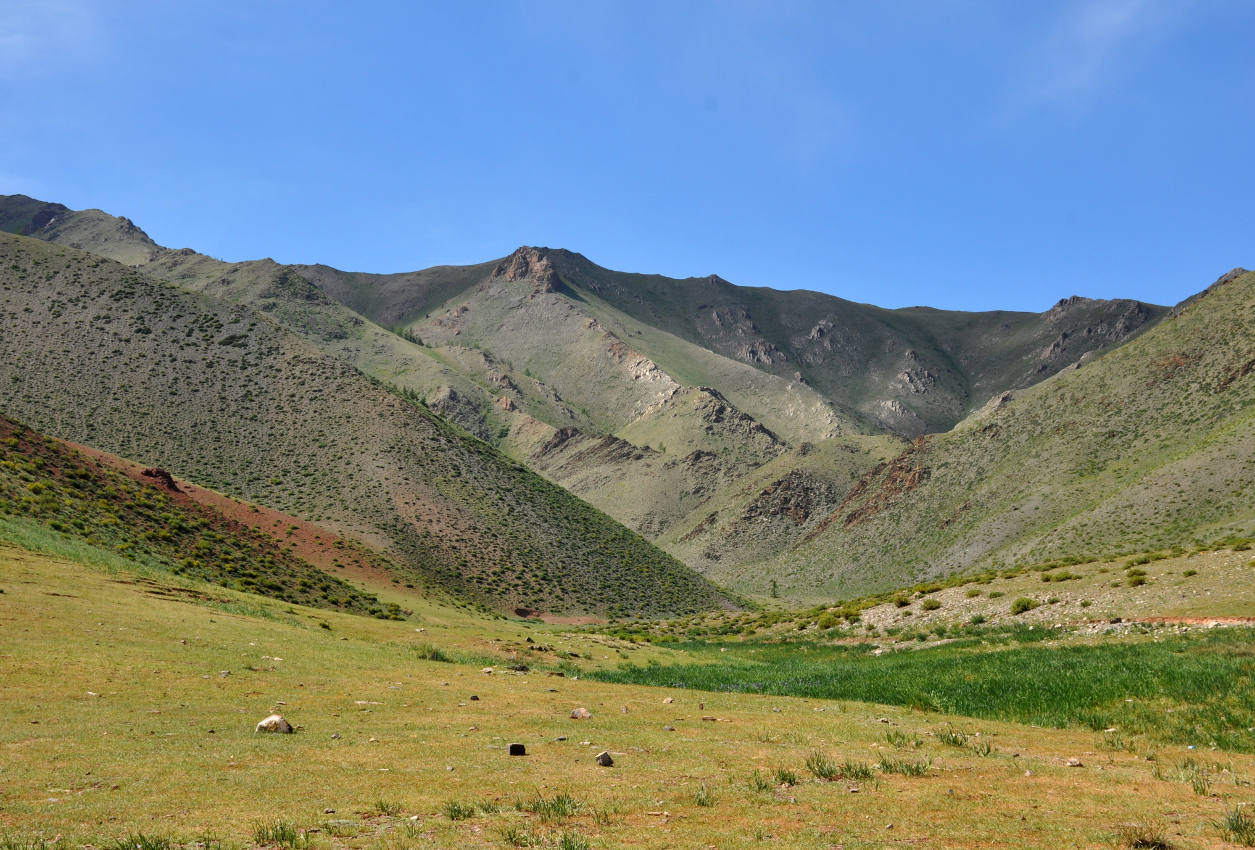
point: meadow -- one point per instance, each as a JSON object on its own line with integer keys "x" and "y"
{"x": 1189, "y": 689}
{"x": 129, "y": 708}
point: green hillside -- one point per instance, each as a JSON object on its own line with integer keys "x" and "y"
{"x": 1151, "y": 445}
{"x": 93, "y": 351}
{"x": 48, "y": 489}
{"x": 757, "y": 435}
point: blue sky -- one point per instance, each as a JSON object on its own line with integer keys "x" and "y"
{"x": 956, "y": 153}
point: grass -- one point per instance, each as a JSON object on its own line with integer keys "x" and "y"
{"x": 141, "y": 841}
{"x": 1208, "y": 681}
{"x": 458, "y": 810}
{"x": 784, "y": 776}
{"x": 431, "y": 652}
{"x": 520, "y": 836}
{"x": 573, "y": 841}
{"x": 557, "y": 807}
{"x": 279, "y": 833}
{"x": 370, "y": 746}
{"x": 1140, "y": 836}
{"x": 1237, "y": 827}
{"x": 906, "y": 767}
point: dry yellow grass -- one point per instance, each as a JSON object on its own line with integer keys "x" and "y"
{"x": 117, "y": 720}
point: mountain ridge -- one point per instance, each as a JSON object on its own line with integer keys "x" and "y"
{"x": 723, "y": 423}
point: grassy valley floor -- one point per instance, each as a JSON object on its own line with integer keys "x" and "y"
{"x": 129, "y": 709}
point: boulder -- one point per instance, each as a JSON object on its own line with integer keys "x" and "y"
{"x": 603, "y": 759}
{"x": 274, "y": 723}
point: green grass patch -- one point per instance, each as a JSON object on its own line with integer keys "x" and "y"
{"x": 1208, "y": 681}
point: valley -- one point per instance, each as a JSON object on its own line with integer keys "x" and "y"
{"x": 820, "y": 574}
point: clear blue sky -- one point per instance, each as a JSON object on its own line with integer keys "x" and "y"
{"x": 958, "y": 154}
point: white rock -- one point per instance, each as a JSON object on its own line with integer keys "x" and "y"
{"x": 274, "y": 723}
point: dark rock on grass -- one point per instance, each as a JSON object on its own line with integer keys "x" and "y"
{"x": 603, "y": 759}
{"x": 518, "y": 750}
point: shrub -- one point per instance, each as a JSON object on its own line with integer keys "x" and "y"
{"x": 1023, "y": 604}
{"x": 930, "y": 605}
{"x": 431, "y": 652}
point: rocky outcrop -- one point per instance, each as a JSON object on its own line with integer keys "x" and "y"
{"x": 528, "y": 263}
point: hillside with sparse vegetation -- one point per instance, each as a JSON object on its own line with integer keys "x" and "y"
{"x": 218, "y": 393}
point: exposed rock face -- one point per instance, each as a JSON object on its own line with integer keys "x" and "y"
{"x": 465, "y": 412}
{"x": 532, "y": 264}
{"x": 879, "y": 488}
{"x": 716, "y": 410}
{"x": 162, "y": 478}
{"x": 734, "y": 333}
{"x": 591, "y": 449}
{"x": 797, "y": 495}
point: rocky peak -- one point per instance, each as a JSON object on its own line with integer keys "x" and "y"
{"x": 529, "y": 263}
{"x": 1064, "y": 305}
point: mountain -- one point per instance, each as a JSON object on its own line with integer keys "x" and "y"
{"x": 765, "y": 438}
{"x": 1149, "y": 446}
{"x": 225, "y": 395}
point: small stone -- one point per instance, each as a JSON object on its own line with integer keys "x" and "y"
{"x": 474, "y": 698}
{"x": 328, "y": 811}
{"x": 668, "y": 728}
{"x": 623, "y": 708}
{"x": 335, "y": 736}
{"x": 560, "y": 738}
{"x": 603, "y": 759}
{"x": 222, "y": 674}
{"x": 1028, "y": 773}
{"x": 668, "y": 701}
{"x": 708, "y": 717}
{"x": 449, "y": 767}
{"x": 487, "y": 671}
{"x": 580, "y": 714}
{"x": 1075, "y": 762}
{"x": 518, "y": 750}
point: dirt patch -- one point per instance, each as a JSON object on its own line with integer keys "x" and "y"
{"x": 309, "y": 542}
